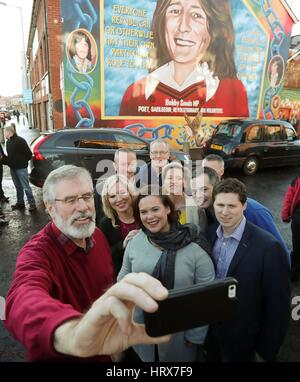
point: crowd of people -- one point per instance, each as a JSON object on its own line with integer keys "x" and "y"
{"x": 114, "y": 250}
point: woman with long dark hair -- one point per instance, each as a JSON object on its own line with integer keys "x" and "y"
{"x": 176, "y": 255}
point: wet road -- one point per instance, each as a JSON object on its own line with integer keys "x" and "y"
{"x": 268, "y": 187}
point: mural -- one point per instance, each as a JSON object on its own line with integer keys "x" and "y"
{"x": 172, "y": 69}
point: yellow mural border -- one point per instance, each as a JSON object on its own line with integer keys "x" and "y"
{"x": 250, "y": 7}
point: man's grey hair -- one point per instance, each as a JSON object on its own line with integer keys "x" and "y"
{"x": 214, "y": 157}
{"x": 160, "y": 140}
{"x": 67, "y": 172}
{"x": 213, "y": 176}
{"x": 11, "y": 128}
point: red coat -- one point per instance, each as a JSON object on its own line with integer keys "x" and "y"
{"x": 230, "y": 100}
{"x": 291, "y": 200}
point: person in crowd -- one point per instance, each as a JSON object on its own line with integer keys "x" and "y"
{"x": 255, "y": 212}
{"x": 3, "y": 198}
{"x": 216, "y": 162}
{"x": 63, "y": 303}
{"x": 192, "y": 63}
{"x": 119, "y": 223}
{"x": 256, "y": 260}
{"x": 202, "y": 185}
{"x": 152, "y": 172}
{"x": 176, "y": 183}
{"x": 175, "y": 255}
{"x": 18, "y": 156}
{"x": 291, "y": 212}
{"x": 80, "y": 52}
{"x": 125, "y": 163}
{"x": 18, "y": 116}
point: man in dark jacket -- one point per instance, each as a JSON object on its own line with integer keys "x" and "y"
{"x": 18, "y": 155}
{"x": 3, "y": 198}
{"x": 152, "y": 172}
{"x": 256, "y": 259}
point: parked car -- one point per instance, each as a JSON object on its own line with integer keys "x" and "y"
{"x": 251, "y": 144}
{"x": 93, "y": 149}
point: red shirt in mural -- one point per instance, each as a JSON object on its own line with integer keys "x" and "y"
{"x": 159, "y": 95}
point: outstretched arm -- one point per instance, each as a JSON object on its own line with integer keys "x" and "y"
{"x": 107, "y": 328}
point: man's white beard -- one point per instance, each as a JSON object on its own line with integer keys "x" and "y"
{"x": 159, "y": 164}
{"x": 67, "y": 227}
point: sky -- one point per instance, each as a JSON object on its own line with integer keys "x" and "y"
{"x": 11, "y": 44}
{"x": 11, "y": 41}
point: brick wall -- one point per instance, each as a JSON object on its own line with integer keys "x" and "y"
{"x": 55, "y": 56}
{"x": 46, "y": 64}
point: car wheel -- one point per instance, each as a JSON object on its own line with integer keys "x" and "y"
{"x": 250, "y": 166}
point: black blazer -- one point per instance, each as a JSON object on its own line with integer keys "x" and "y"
{"x": 114, "y": 238}
{"x": 261, "y": 268}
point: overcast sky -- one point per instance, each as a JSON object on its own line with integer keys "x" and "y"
{"x": 11, "y": 42}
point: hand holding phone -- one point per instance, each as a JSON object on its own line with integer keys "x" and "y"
{"x": 193, "y": 306}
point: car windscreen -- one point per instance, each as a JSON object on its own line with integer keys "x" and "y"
{"x": 229, "y": 130}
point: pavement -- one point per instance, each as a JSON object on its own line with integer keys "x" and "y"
{"x": 267, "y": 186}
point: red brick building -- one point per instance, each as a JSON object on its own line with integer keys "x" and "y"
{"x": 45, "y": 55}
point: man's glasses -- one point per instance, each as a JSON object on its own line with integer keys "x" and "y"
{"x": 72, "y": 200}
{"x": 159, "y": 153}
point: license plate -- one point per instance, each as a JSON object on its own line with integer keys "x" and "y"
{"x": 216, "y": 147}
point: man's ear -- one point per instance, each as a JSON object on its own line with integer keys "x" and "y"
{"x": 49, "y": 208}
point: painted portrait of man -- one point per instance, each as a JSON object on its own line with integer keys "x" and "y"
{"x": 193, "y": 64}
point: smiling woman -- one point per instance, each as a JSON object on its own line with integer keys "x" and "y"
{"x": 193, "y": 62}
{"x": 174, "y": 254}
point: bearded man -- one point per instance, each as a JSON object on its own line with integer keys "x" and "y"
{"x": 62, "y": 302}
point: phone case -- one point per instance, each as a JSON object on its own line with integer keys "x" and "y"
{"x": 194, "y": 306}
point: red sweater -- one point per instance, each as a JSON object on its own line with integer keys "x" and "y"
{"x": 291, "y": 200}
{"x": 55, "y": 281}
{"x": 230, "y": 98}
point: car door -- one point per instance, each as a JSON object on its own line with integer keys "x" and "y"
{"x": 292, "y": 145}
{"x": 96, "y": 153}
{"x": 274, "y": 146}
{"x": 62, "y": 149}
{"x": 253, "y": 142}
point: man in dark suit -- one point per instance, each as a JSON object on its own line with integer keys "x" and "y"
{"x": 151, "y": 173}
{"x": 256, "y": 259}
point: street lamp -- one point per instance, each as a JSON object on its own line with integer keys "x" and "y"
{"x": 24, "y": 74}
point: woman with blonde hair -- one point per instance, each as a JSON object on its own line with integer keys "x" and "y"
{"x": 118, "y": 224}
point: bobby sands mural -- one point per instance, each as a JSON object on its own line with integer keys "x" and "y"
{"x": 156, "y": 67}
{"x": 194, "y": 68}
